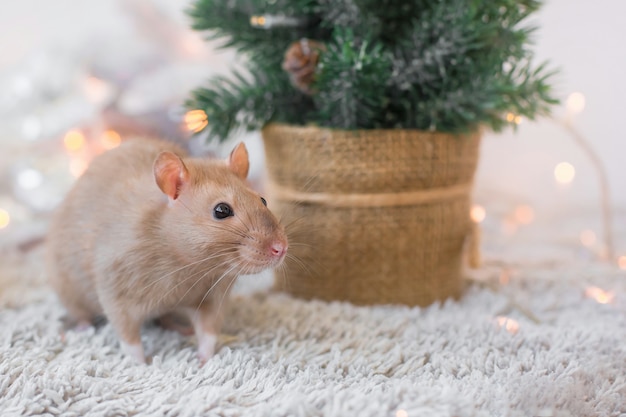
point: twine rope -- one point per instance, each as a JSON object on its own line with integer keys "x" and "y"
{"x": 407, "y": 198}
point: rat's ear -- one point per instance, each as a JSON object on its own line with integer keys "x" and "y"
{"x": 238, "y": 161}
{"x": 170, "y": 174}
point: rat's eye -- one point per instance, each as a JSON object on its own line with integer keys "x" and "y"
{"x": 264, "y": 201}
{"x": 223, "y": 210}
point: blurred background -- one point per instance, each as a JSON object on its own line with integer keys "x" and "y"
{"x": 79, "y": 76}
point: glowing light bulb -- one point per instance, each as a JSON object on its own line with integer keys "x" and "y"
{"x": 402, "y": 413}
{"x": 621, "y": 262}
{"x": 564, "y": 173}
{"x": 524, "y": 214}
{"x": 508, "y": 324}
{"x": 195, "y": 120}
{"x": 575, "y": 103}
{"x": 74, "y": 140}
{"x": 478, "y": 213}
{"x": 513, "y": 118}
{"x": 110, "y": 139}
{"x": 587, "y": 238}
{"x": 598, "y": 294}
{"x": 5, "y": 218}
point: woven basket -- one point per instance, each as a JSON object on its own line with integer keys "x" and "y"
{"x": 379, "y": 216}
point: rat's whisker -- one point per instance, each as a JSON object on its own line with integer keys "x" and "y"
{"x": 201, "y": 278}
{"x": 281, "y": 270}
{"x": 306, "y": 187}
{"x": 231, "y": 228}
{"x": 299, "y": 262}
{"x": 293, "y": 222}
{"x": 296, "y": 244}
{"x": 187, "y": 279}
{"x": 197, "y": 281}
{"x": 220, "y": 253}
{"x": 216, "y": 283}
{"x": 247, "y": 224}
{"x": 158, "y": 302}
{"x": 228, "y": 290}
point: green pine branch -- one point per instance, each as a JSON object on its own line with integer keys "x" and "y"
{"x": 448, "y": 65}
{"x": 352, "y": 82}
{"x": 247, "y": 103}
{"x": 229, "y": 21}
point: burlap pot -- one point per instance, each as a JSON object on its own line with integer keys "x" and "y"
{"x": 379, "y": 216}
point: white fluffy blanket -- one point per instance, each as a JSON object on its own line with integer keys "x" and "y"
{"x": 537, "y": 345}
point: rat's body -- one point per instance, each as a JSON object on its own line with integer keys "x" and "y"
{"x": 144, "y": 233}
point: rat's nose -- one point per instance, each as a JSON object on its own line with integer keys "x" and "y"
{"x": 278, "y": 249}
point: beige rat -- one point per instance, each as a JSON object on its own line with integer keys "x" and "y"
{"x": 147, "y": 231}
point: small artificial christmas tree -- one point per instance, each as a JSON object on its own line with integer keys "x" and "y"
{"x": 393, "y": 94}
{"x": 446, "y": 65}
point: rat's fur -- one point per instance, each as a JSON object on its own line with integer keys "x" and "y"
{"x": 136, "y": 239}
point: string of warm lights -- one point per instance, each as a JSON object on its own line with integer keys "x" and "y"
{"x": 564, "y": 175}
{"x": 512, "y": 326}
{"x": 81, "y": 151}
{"x": 80, "y": 146}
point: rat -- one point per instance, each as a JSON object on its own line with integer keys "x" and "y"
{"x": 149, "y": 233}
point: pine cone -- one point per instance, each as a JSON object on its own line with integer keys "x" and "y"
{"x": 300, "y": 62}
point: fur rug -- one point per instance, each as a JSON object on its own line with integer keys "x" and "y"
{"x": 527, "y": 339}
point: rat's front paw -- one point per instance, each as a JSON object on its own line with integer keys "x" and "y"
{"x": 206, "y": 346}
{"x": 135, "y": 351}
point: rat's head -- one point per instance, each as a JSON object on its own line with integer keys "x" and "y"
{"x": 213, "y": 214}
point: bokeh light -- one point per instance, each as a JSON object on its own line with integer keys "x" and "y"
{"x": 564, "y": 173}
{"x": 110, "y": 139}
{"x": 507, "y": 323}
{"x": 524, "y": 214}
{"x": 600, "y": 295}
{"x": 5, "y": 218}
{"x": 587, "y": 237}
{"x": 478, "y": 213}
{"x": 74, "y": 140}
{"x": 575, "y": 103}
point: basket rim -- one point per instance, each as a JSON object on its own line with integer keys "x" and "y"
{"x": 313, "y": 127}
